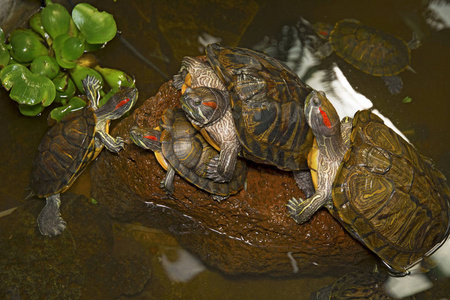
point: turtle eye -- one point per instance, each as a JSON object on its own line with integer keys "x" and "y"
{"x": 197, "y": 102}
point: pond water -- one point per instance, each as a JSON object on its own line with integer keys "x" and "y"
{"x": 165, "y": 31}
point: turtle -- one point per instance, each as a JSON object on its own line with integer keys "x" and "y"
{"x": 378, "y": 186}
{"x": 180, "y": 148}
{"x": 355, "y": 285}
{"x": 70, "y": 145}
{"x": 368, "y": 49}
{"x": 251, "y": 105}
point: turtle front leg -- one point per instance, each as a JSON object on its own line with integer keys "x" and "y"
{"x": 302, "y": 210}
{"x": 112, "y": 144}
{"x": 394, "y": 84}
{"x": 304, "y": 182}
{"x": 49, "y": 220}
{"x": 221, "y": 167}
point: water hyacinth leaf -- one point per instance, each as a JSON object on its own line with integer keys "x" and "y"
{"x": 79, "y": 73}
{"x": 72, "y": 48}
{"x": 97, "y": 27}
{"x": 27, "y": 88}
{"x": 31, "y": 110}
{"x": 115, "y": 78}
{"x": 55, "y": 19}
{"x": 4, "y": 56}
{"x": 58, "y": 45}
{"x": 36, "y": 24}
{"x": 65, "y": 88}
{"x": 74, "y": 104}
{"x": 26, "y": 45}
{"x": 2, "y": 36}
{"x": 45, "y": 66}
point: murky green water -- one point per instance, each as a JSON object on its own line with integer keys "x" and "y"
{"x": 164, "y": 31}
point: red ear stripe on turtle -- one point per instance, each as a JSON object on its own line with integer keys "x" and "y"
{"x": 211, "y": 104}
{"x": 122, "y": 103}
{"x": 150, "y": 137}
{"x": 325, "y": 118}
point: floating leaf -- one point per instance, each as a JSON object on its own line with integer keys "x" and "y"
{"x": 79, "y": 73}
{"x": 27, "y": 88}
{"x": 58, "y": 45}
{"x": 26, "y": 45}
{"x": 65, "y": 88}
{"x": 45, "y": 66}
{"x": 31, "y": 110}
{"x": 4, "y": 56}
{"x": 72, "y": 48}
{"x": 55, "y": 19}
{"x": 115, "y": 78}
{"x": 97, "y": 27}
{"x": 2, "y": 36}
{"x": 407, "y": 99}
{"x": 74, "y": 104}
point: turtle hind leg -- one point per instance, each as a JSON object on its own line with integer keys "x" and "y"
{"x": 304, "y": 182}
{"x": 49, "y": 220}
{"x": 394, "y": 84}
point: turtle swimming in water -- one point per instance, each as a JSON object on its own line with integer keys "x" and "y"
{"x": 70, "y": 145}
{"x": 368, "y": 49}
{"x": 251, "y": 105}
{"x": 180, "y": 148}
{"x": 387, "y": 195}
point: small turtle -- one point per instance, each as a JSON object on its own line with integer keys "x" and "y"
{"x": 250, "y": 104}
{"x": 355, "y": 285}
{"x": 387, "y": 195}
{"x": 70, "y": 145}
{"x": 369, "y": 49}
{"x": 180, "y": 148}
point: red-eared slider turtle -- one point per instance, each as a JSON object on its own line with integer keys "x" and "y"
{"x": 180, "y": 148}
{"x": 369, "y": 49}
{"x": 251, "y": 105}
{"x": 376, "y": 184}
{"x": 355, "y": 285}
{"x": 70, "y": 145}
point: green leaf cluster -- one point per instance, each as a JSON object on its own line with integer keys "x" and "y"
{"x": 45, "y": 63}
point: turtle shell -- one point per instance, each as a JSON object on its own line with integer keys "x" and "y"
{"x": 267, "y": 101}
{"x": 65, "y": 150}
{"x": 389, "y": 196}
{"x": 369, "y": 49}
{"x": 188, "y": 153}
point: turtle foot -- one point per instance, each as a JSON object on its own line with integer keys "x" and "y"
{"x": 212, "y": 171}
{"x": 296, "y": 208}
{"x": 49, "y": 220}
{"x": 219, "y": 198}
{"x": 394, "y": 84}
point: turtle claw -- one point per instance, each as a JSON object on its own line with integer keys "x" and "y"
{"x": 295, "y": 208}
{"x": 168, "y": 190}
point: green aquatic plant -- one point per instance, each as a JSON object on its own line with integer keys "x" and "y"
{"x": 46, "y": 63}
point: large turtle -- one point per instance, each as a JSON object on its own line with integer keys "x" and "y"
{"x": 70, "y": 145}
{"x": 376, "y": 184}
{"x": 180, "y": 148}
{"x": 251, "y": 105}
{"x": 368, "y": 49}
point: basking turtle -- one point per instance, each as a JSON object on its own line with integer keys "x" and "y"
{"x": 250, "y": 104}
{"x": 369, "y": 49}
{"x": 70, "y": 145}
{"x": 180, "y": 148}
{"x": 376, "y": 184}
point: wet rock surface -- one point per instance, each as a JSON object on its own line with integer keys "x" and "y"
{"x": 249, "y": 233}
{"x": 76, "y": 264}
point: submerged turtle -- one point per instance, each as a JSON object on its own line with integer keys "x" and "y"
{"x": 355, "y": 285}
{"x": 376, "y": 184}
{"x": 251, "y": 105}
{"x": 180, "y": 148}
{"x": 70, "y": 145}
{"x": 369, "y": 49}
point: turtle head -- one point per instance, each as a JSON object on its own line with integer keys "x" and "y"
{"x": 120, "y": 103}
{"x": 203, "y": 105}
{"x": 321, "y": 115}
{"x": 146, "y": 138}
{"x": 323, "y": 30}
